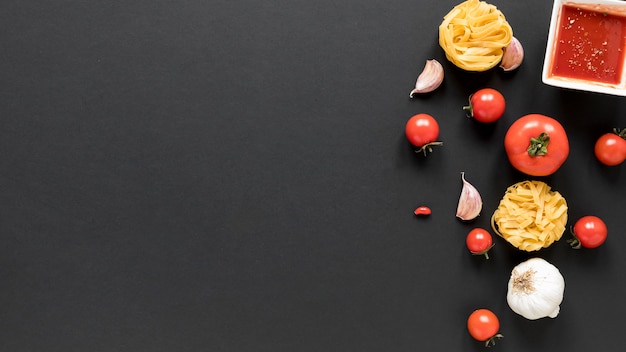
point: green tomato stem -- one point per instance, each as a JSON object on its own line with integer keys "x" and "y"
{"x": 469, "y": 109}
{"x": 485, "y": 252}
{"x": 539, "y": 145}
{"x": 574, "y": 242}
{"x": 427, "y": 148}
{"x": 492, "y": 341}
{"x": 469, "y": 112}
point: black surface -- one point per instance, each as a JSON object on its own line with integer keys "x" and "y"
{"x": 233, "y": 176}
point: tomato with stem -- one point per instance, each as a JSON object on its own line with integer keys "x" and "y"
{"x": 479, "y": 242}
{"x": 486, "y": 105}
{"x": 610, "y": 148}
{"x": 483, "y": 325}
{"x": 536, "y": 145}
{"x": 588, "y": 232}
{"x": 422, "y": 131}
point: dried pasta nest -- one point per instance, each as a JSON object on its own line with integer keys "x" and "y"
{"x": 530, "y": 216}
{"x": 473, "y": 35}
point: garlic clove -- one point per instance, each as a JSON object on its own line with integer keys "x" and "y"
{"x": 430, "y": 78}
{"x": 513, "y": 55}
{"x": 470, "y": 201}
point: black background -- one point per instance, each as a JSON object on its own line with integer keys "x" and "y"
{"x": 233, "y": 176}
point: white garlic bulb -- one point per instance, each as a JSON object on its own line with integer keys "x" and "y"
{"x": 535, "y": 289}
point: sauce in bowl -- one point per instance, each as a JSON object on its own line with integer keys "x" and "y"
{"x": 590, "y": 44}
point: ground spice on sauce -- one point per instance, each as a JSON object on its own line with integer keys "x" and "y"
{"x": 590, "y": 45}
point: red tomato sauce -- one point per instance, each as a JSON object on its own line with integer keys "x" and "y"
{"x": 590, "y": 45}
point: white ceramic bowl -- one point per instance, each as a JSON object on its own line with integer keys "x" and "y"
{"x": 583, "y": 51}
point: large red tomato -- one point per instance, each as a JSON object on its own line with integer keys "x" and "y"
{"x": 536, "y": 145}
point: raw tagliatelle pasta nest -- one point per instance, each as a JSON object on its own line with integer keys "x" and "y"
{"x": 530, "y": 216}
{"x": 473, "y": 35}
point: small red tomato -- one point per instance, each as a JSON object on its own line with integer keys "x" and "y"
{"x": 483, "y": 325}
{"x": 479, "y": 242}
{"x": 589, "y": 232}
{"x": 610, "y": 148}
{"x": 486, "y": 105}
{"x": 422, "y": 131}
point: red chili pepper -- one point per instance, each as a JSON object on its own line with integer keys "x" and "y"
{"x": 422, "y": 210}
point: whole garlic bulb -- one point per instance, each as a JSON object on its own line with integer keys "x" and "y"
{"x": 535, "y": 289}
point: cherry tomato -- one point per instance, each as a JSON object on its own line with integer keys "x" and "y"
{"x": 483, "y": 325}
{"x": 422, "y": 131}
{"x": 589, "y": 232}
{"x": 486, "y": 105}
{"x": 479, "y": 241}
{"x": 610, "y": 148}
{"x": 536, "y": 145}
